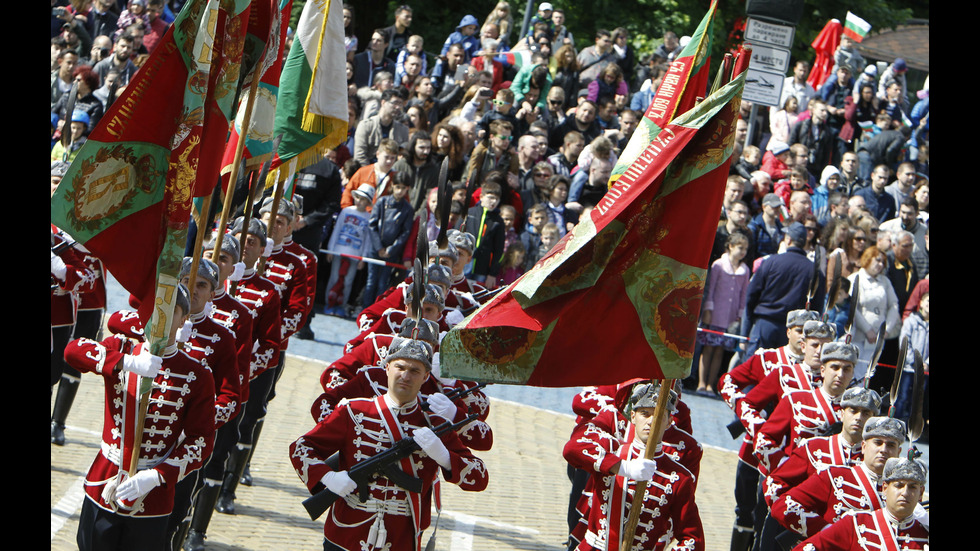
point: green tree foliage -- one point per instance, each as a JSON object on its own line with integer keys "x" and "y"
{"x": 647, "y": 20}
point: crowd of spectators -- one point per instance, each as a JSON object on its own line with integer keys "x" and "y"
{"x": 532, "y": 125}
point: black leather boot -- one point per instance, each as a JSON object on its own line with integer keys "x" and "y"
{"x": 207, "y": 498}
{"x": 233, "y": 473}
{"x": 67, "y": 388}
{"x": 742, "y": 539}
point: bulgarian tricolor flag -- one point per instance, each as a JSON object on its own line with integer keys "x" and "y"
{"x": 619, "y": 296}
{"x": 311, "y": 110}
{"x": 856, "y": 28}
{"x": 127, "y": 195}
{"x": 517, "y": 59}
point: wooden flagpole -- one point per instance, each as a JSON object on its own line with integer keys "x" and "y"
{"x": 235, "y": 167}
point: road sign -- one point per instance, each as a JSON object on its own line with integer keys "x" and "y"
{"x": 761, "y": 32}
{"x": 769, "y": 58}
{"x": 763, "y": 87}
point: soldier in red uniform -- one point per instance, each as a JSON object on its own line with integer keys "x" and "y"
{"x": 898, "y": 524}
{"x": 213, "y": 345}
{"x": 841, "y": 449}
{"x": 72, "y": 277}
{"x": 617, "y": 462}
{"x": 605, "y": 407}
{"x": 262, "y": 297}
{"x": 465, "y": 244}
{"x": 803, "y": 414}
{"x": 735, "y": 387}
{"x": 433, "y": 305}
{"x": 392, "y": 518}
{"x": 309, "y": 258}
{"x": 131, "y": 512}
{"x": 229, "y": 312}
{"x": 823, "y": 499}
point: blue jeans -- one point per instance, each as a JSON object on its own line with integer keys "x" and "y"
{"x": 377, "y": 283}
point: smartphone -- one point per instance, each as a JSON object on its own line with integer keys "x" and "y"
{"x": 461, "y": 72}
{"x": 58, "y": 11}
{"x": 486, "y": 93}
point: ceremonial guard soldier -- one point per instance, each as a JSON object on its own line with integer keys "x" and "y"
{"x": 804, "y": 414}
{"x": 213, "y": 345}
{"x": 392, "y": 518}
{"x": 131, "y": 512}
{"x": 262, "y": 297}
{"x": 71, "y": 278}
{"x": 842, "y": 449}
{"x": 371, "y": 352}
{"x": 616, "y": 463}
{"x": 229, "y": 312}
{"x": 397, "y": 296}
{"x": 465, "y": 244}
{"x": 896, "y": 525}
{"x": 372, "y": 380}
{"x": 823, "y": 499}
{"x": 309, "y": 259}
{"x": 735, "y": 386}
{"x": 604, "y": 407}
{"x": 433, "y": 304}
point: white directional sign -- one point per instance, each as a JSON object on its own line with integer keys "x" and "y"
{"x": 762, "y": 87}
{"x": 768, "y": 58}
{"x": 769, "y": 33}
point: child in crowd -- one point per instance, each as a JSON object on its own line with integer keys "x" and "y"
{"x": 796, "y": 182}
{"x": 749, "y": 162}
{"x": 351, "y": 235}
{"x": 512, "y": 266}
{"x": 549, "y": 236}
{"x": 537, "y": 217}
{"x": 724, "y": 301}
{"x": 391, "y": 225}
{"x": 484, "y": 222}
{"x": 509, "y": 215}
{"x": 413, "y": 46}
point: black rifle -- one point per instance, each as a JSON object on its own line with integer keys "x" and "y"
{"x": 384, "y": 464}
{"x": 458, "y": 393}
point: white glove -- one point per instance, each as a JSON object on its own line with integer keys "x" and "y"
{"x": 109, "y": 490}
{"x": 454, "y": 317}
{"x": 237, "y": 272}
{"x": 208, "y": 308}
{"x": 184, "y": 333}
{"x": 144, "y": 364}
{"x": 432, "y": 446}
{"x": 638, "y": 469}
{"x": 138, "y": 485}
{"x": 269, "y": 244}
{"x": 435, "y": 364}
{"x": 339, "y": 482}
{"x": 442, "y": 406}
{"x": 58, "y": 268}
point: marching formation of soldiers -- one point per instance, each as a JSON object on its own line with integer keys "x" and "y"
{"x": 820, "y": 467}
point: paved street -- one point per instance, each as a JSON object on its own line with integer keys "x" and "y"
{"x": 523, "y": 508}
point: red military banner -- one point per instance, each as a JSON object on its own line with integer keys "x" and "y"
{"x": 619, "y": 296}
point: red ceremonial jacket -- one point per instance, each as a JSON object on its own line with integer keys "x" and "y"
{"x": 310, "y": 260}
{"x": 735, "y": 384}
{"x": 231, "y": 313}
{"x": 823, "y": 499}
{"x": 373, "y": 381}
{"x": 669, "y": 509}
{"x": 371, "y": 352}
{"x": 390, "y": 323}
{"x": 402, "y": 515}
{"x": 800, "y": 415}
{"x": 262, "y": 298}
{"x": 79, "y": 278}
{"x": 815, "y": 454}
{"x": 178, "y": 431}
{"x": 870, "y": 531}
{"x": 213, "y": 345}
{"x": 754, "y": 406}
{"x": 288, "y": 272}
